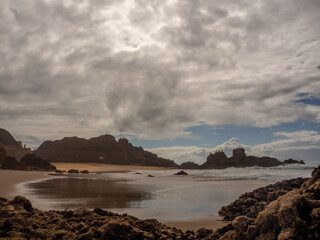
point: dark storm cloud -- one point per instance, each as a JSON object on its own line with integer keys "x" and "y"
{"x": 155, "y": 68}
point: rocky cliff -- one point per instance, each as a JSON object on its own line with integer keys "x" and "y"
{"x": 103, "y": 149}
{"x": 219, "y": 160}
{"x": 11, "y": 146}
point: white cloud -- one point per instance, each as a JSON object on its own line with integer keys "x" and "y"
{"x": 298, "y": 145}
{"x": 155, "y": 68}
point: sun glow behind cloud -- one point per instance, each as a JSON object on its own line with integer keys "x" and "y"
{"x": 154, "y": 69}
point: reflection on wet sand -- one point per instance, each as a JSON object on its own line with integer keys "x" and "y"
{"x": 89, "y": 193}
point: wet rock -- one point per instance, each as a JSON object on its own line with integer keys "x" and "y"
{"x": 250, "y": 204}
{"x": 20, "y": 200}
{"x": 84, "y": 172}
{"x": 203, "y": 233}
{"x": 73, "y": 171}
{"x": 181, "y": 173}
{"x": 150, "y": 175}
{"x": 293, "y": 215}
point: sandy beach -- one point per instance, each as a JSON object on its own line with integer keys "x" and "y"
{"x": 99, "y": 167}
{"x": 10, "y": 179}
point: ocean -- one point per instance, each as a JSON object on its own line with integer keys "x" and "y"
{"x": 165, "y": 196}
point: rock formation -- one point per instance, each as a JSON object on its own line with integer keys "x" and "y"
{"x": 19, "y": 220}
{"x": 28, "y": 162}
{"x": 292, "y": 161}
{"x": 181, "y": 173}
{"x": 250, "y": 204}
{"x": 294, "y": 215}
{"x": 12, "y": 147}
{"x": 103, "y": 149}
{"x": 190, "y": 165}
{"x": 219, "y": 160}
{"x": 2, "y": 154}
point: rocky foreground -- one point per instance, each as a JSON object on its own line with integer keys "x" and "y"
{"x": 287, "y": 210}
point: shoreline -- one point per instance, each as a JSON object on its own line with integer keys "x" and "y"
{"x": 10, "y": 179}
{"x": 102, "y": 167}
{"x": 15, "y": 178}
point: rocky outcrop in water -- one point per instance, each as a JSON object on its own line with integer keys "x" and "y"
{"x": 103, "y": 149}
{"x": 219, "y": 160}
{"x": 292, "y": 161}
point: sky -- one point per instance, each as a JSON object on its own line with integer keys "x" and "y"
{"x": 178, "y": 77}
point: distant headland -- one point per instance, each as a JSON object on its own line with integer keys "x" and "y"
{"x": 106, "y": 149}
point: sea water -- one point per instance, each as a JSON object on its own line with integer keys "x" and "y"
{"x": 164, "y": 196}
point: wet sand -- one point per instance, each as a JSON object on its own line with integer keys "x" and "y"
{"x": 100, "y": 167}
{"x": 9, "y": 180}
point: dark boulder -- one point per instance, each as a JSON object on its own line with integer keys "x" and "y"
{"x": 20, "y": 200}
{"x": 73, "y": 171}
{"x": 84, "y": 172}
{"x": 181, "y": 173}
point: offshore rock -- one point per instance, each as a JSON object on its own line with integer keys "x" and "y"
{"x": 219, "y": 160}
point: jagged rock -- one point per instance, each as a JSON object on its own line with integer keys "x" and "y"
{"x": 103, "y": 149}
{"x": 80, "y": 224}
{"x": 73, "y": 171}
{"x": 294, "y": 215}
{"x": 292, "y": 161}
{"x": 219, "y": 160}
{"x": 250, "y": 204}
{"x": 190, "y": 165}
{"x": 181, "y": 173}
{"x": 84, "y": 172}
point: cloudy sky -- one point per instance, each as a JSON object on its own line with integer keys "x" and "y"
{"x": 179, "y": 77}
